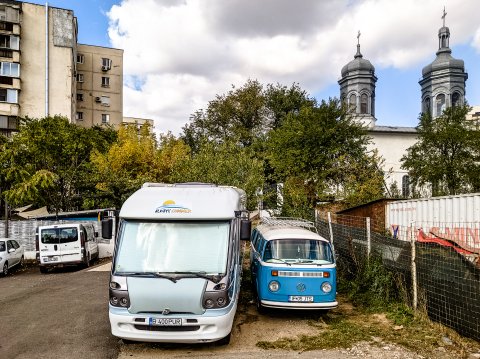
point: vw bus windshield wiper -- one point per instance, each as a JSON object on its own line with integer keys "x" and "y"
{"x": 281, "y": 260}
{"x": 200, "y": 274}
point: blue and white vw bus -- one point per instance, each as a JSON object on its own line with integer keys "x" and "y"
{"x": 292, "y": 266}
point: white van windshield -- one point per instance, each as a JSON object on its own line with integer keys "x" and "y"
{"x": 173, "y": 247}
{"x": 306, "y": 251}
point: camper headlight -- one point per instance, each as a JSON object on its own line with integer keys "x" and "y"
{"x": 114, "y": 300}
{"x": 124, "y": 302}
{"x": 221, "y": 301}
{"x": 274, "y": 286}
{"x": 209, "y": 303}
{"x": 326, "y": 287}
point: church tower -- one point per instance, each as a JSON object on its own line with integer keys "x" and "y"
{"x": 357, "y": 88}
{"x": 443, "y": 81}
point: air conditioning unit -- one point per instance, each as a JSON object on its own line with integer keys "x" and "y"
{"x": 105, "y": 68}
{"x": 98, "y": 99}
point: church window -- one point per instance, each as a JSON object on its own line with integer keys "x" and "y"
{"x": 406, "y": 186}
{"x": 455, "y": 99}
{"x": 440, "y": 104}
{"x": 426, "y": 105}
{"x": 353, "y": 102}
{"x": 364, "y": 104}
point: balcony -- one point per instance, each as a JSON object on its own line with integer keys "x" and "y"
{"x": 9, "y": 109}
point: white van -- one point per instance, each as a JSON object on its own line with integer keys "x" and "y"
{"x": 66, "y": 244}
{"x": 176, "y": 268}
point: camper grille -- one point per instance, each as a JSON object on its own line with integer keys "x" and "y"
{"x": 299, "y": 274}
{"x": 187, "y": 328}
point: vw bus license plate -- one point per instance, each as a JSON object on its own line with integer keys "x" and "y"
{"x": 300, "y": 298}
{"x": 166, "y": 322}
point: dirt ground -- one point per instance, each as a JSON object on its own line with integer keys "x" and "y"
{"x": 251, "y": 327}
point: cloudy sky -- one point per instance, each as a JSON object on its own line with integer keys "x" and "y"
{"x": 178, "y": 54}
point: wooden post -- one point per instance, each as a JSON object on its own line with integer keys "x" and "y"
{"x": 330, "y": 226}
{"x": 414, "y": 269}
{"x": 369, "y": 237}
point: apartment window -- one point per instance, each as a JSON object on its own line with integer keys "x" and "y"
{"x": 105, "y": 118}
{"x": 10, "y": 69}
{"x": 79, "y": 96}
{"x": 6, "y": 53}
{"x": 3, "y": 14}
{"x": 79, "y": 116}
{"x": 7, "y": 26}
{"x": 106, "y": 64}
{"x": 79, "y": 77}
{"x": 6, "y": 80}
{"x": 9, "y": 95}
{"x": 105, "y": 81}
{"x": 3, "y": 122}
{"x": 80, "y": 58}
{"x": 405, "y": 186}
{"x": 105, "y": 100}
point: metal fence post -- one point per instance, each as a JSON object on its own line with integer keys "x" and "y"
{"x": 329, "y": 215}
{"x": 414, "y": 269}
{"x": 369, "y": 237}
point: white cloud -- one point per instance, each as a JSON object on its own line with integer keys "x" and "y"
{"x": 179, "y": 54}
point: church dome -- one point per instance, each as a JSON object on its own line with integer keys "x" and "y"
{"x": 358, "y": 64}
{"x": 444, "y": 59}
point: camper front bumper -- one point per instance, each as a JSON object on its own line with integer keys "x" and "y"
{"x": 213, "y": 325}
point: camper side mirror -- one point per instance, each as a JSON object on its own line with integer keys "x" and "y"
{"x": 245, "y": 229}
{"x": 107, "y": 228}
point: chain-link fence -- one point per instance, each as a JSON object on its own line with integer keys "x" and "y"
{"x": 439, "y": 263}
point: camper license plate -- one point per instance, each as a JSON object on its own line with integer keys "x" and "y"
{"x": 300, "y": 298}
{"x": 166, "y": 322}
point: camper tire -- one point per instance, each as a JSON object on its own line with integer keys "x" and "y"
{"x": 5, "y": 269}
{"x": 225, "y": 340}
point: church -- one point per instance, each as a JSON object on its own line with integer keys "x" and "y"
{"x": 442, "y": 85}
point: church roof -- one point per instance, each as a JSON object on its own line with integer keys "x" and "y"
{"x": 358, "y": 64}
{"x": 393, "y": 129}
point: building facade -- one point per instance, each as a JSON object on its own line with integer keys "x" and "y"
{"x": 99, "y": 86}
{"x": 39, "y": 70}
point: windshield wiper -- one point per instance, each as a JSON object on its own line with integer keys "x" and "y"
{"x": 281, "y": 260}
{"x": 169, "y": 277}
{"x": 200, "y": 274}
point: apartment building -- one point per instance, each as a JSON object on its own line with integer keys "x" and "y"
{"x": 99, "y": 86}
{"x": 40, "y": 70}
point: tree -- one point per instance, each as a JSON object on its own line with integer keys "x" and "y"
{"x": 323, "y": 150}
{"x": 225, "y": 164}
{"x": 446, "y": 156}
{"x": 134, "y": 159}
{"x": 244, "y": 114}
{"x": 47, "y": 162}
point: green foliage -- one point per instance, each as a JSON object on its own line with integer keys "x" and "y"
{"x": 225, "y": 164}
{"x": 323, "y": 151}
{"x": 446, "y": 156}
{"x": 47, "y": 162}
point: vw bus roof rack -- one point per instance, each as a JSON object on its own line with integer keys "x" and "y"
{"x": 186, "y": 184}
{"x": 288, "y": 222}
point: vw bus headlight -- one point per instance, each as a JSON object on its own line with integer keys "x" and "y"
{"x": 326, "y": 287}
{"x": 274, "y": 286}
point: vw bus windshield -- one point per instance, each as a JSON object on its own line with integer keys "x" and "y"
{"x": 176, "y": 248}
{"x": 304, "y": 251}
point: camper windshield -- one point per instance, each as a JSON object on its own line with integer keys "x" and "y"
{"x": 172, "y": 247}
{"x": 306, "y": 251}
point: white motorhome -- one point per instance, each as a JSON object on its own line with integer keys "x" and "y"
{"x": 65, "y": 244}
{"x": 176, "y": 268}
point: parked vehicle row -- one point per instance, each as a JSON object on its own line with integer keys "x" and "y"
{"x": 176, "y": 268}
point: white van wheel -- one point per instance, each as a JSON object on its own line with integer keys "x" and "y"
{"x": 5, "y": 269}
{"x": 88, "y": 259}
